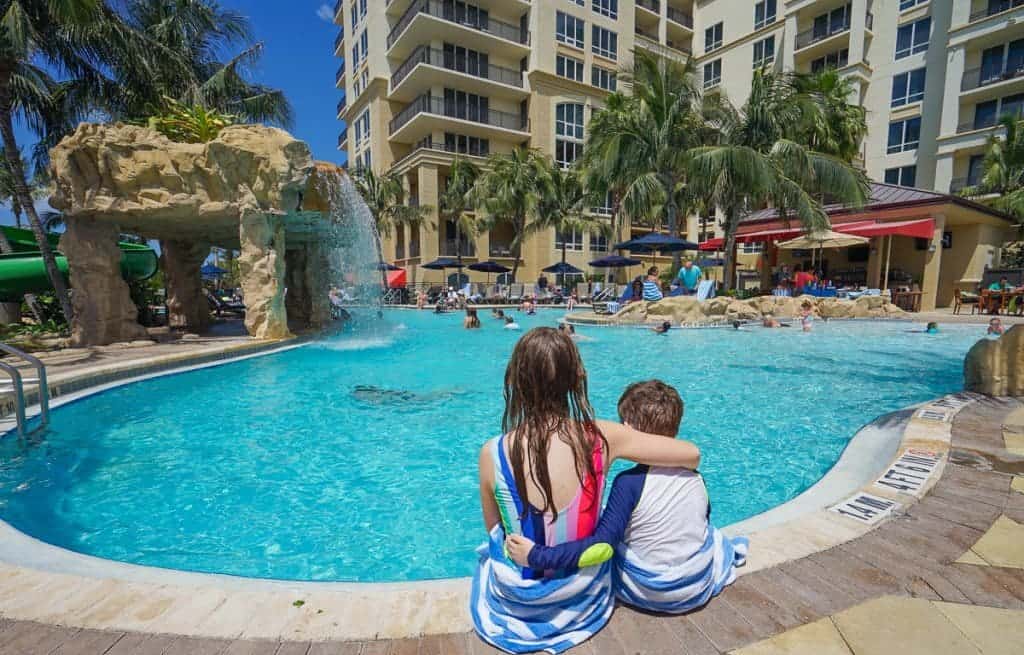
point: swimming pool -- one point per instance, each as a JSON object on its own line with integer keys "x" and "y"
{"x": 354, "y": 458}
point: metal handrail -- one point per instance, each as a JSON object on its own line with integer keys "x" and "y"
{"x": 992, "y": 10}
{"x": 809, "y": 37}
{"x": 974, "y": 79}
{"x": 19, "y": 396}
{"x": 434, "y": 8}
{"x": 436, "y": 57}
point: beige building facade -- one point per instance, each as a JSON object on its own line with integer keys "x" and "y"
{"x": 425, "y": 81}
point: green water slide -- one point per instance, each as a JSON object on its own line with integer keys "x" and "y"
{"x": 22, "y": 271}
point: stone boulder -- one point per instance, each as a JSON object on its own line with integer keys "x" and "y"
{"x": 634, "y": 312}
{"x": 678, "y": 309}
{"x": 996, "y": 366}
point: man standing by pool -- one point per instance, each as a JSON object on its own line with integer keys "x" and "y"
{"x": 689, "y": 277}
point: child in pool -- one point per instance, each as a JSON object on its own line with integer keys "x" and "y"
{"x": 807, "y": 316}
{"x": 656, "y": 519}
{"x": 995, "y": 326}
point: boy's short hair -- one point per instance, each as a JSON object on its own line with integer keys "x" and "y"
{"x": 653, "y": 407}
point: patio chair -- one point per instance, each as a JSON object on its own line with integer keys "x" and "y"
{"x": 603, "y": 293}
{"x": 515, "y": 293}
{"x": 220, "y": 307}
{"x": 961, "y": 298}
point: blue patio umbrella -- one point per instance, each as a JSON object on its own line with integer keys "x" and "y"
{"x": 708, "y": 262}
{"x": 211, "y": 271}
{"x": 562, "y": 268}
{"x": 489, "y": 266}
{"x": 657, "y": 242}
{"x": 615, "y": 261}
{"x": 384, "y": 266}
{"x": 442, "y": 263}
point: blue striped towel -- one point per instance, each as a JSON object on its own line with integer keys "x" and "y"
{"x": 685, "y": 587}
{"x": 652, "y": 293}
{"x": 547, "y": 614}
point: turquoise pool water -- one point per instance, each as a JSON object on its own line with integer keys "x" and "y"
{"x": 278, "y": 467}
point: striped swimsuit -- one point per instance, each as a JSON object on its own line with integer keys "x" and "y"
{"x": 576, "y": 521}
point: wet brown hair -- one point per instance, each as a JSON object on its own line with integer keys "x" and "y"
{"x": 545, "y": 396}
{"x": 652, "y": 407}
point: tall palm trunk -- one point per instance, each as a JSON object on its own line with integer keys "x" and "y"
{"x": 458, "y": 254}
{"x": 673, "y": 221}
{"x": 729, "y": 259}
{"x": 24, "y": 198}
{"x": 378, "y": 242}
{"x": 517, "y": 249}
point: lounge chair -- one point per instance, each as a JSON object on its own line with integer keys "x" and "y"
{"x": 220, "y": 307}
{"x": 961, "y": 298}
{"x": 706, "y": 290}
{"x": 515, "y": 293}
{"x": 604, "y": 293}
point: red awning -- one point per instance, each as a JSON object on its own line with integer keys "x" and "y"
{"x": 922, "y": 228}
{"x": 397, "y": 279}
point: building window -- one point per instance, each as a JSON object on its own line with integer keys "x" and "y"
{"x": 605, "y": 43}
{"x": 713, "y": 37}
{"x": 908, "y": 87}
{"x": 913, "y": 38}
{"x": 910, "y": 4}
{"x": 358, "y": 12}
{"x": 1002, "y": 60}
{"x": 832, "y": 22}
{"x": 987, "y": 114}
{"x": 568, "y": 133}
{"x": 466, "y": 145}
{"x": 712, "y": 73}
{"x": 609, "y": 8}
{"x": 764, "y": 13}
{"x": 362, "y": 128}
{"x": 581, "y": 3}
{"x": 753, "y": 247}
{"x": 603, "y": 78}
{"x": 569, "y": 30}
{"x": 901, "y": 176}
{"x": 904, "y": 135}
{"x": 468, "y": 106}
{"x": 975, "y": 170}
{"x": 764, "y": 52}
{"x": 361, "y": 82}
{"x": 573, "y": 240}
{"x": 569, "y": 68}
{"x": 837, "y": 59}
{"x": 598, "y": 242}
{"x": 606, "y": 207}
{"x": 465, "y": 60}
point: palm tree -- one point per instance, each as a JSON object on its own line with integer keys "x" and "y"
{"x": 198, "y": 31}
{"x": 385, "y": 198}
{"x": 564, "y": 205}
{"x": 1002, "y": 169}
{"x": 80, "y": 38}
{"x": 640, "y": 142}
{"x": 757, "y": 162}
{"x": 455, "y": 206}
{"x": 511, "y": 191}
{"x": 833, "y": 125}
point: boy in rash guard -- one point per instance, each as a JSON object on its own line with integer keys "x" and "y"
{"x": 668, "y": 558}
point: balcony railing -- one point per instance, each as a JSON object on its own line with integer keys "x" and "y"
{"x": 340, "y": 74}
{"x": 958, "y": 184}
{"x": 448, "y": 12}
{"x": 435, "y": 57}
{"x": 337, "y": 6}
{"x": 670, "y": 51}
{"x": 994, "y": 8}
{"x": 681, "y": 17}
{"x": 448, "y": 248}
{"x": 427, "y": 104}
{"x": 500, "y": 249}
{"x": 973, "y": 125}
{"x": 977, "y": 77}
{"x": 342, "y": 104}
{"x": 339, "y": 40}
{"x": 342, "y": 139}
{"x": 812, "y": 36}
{"x": 653, "y": 5}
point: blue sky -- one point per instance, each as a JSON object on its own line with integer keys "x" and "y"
{"x": 298, "y": 38}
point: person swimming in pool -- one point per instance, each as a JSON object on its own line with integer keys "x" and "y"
{"x": 663, "y": 328}
{"x": 375, "y": 395}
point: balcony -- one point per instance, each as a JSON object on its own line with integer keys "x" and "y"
{"x": 341, "y": 105}
{"x": 958, "y": 184}
{"x": 430, "y": 20}
{"x": 994, "y": 8}
{"x": 338, "y": 6}
{"x": 973, "y": 126}
{"x": 506, "y": 8}
{"x": 423, "y": 71}
{"x": 673, "y": 51}
{"x": 339, "y": 43}
{"x": 339, "y": 77}
{"x": 343, "y": 140}
{"x": 977, "y": 78}
{"x": 428, "y": 114}
{"x": 498, "y": 249}
{"x": 680, "y": 17}
{"x": 809, "y": 37}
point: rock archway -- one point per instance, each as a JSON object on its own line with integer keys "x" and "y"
{"x": 253, "y": 189}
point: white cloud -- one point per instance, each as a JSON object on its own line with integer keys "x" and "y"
{"x": 326, "y": 13}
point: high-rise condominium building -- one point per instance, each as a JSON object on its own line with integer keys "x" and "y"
{"x": 426, "y": 80}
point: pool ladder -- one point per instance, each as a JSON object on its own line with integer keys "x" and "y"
{"x": 18, "y": 384}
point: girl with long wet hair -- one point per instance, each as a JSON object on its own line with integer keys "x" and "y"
{"x": 543, "y": 478}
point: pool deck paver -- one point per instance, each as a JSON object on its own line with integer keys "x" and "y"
{"x": 900, "y": 586}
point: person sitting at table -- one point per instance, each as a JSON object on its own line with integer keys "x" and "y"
{"x": 1002, "y": 285}
{"x": 801, "y": 279}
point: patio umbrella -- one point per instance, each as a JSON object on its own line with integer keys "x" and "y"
{"x": 441, "y": 264}
{"x": 709, "y": 262}
{"x": 615, "y": 261}
{"x": 657, "y": 242}
{"x": 384, "y": 266}
{"x": 211, "y": 271}
{"x": 489, "y": 266}
{"x": 562, "y": 268}
{"x": 822, "y": 239}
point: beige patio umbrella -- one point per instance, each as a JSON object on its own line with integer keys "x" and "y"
{"x": 822, "y": 239}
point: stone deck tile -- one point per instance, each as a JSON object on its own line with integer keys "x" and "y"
{"x": 818, "y": 638}
{"x": 252, "y": 648}
{"x": 89, "y": 642}
{"x": 911, "y": 626}
{"x": 993, "y": 631}
{"x": 1003, "y": 544}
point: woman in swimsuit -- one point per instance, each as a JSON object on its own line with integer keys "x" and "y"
{"x": 544, "y": 477}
